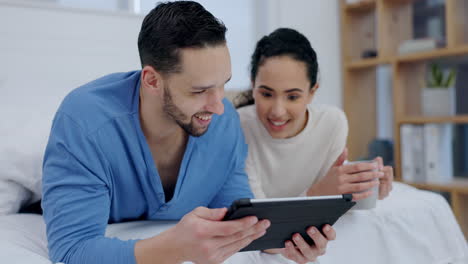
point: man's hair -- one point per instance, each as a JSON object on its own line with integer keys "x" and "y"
{"x": 171, "y": 26}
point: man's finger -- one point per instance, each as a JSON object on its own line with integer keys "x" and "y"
{"x": 234, "y": 247}
{"x": 259, "y": 227}
{"x": 228, "y": 228}
{"x": 210, "y": 214}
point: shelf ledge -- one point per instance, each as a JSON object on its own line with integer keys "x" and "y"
{"x": 362, "y": 6}
{"x": 420, "y": 120}
{"x": 433, "y": 54}
{"x": 367, "y": 63}
{"x": 459, "y": 185}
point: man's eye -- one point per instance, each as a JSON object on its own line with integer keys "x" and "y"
{"x": 266, "y": 94}
{"x": 199, "y": 92}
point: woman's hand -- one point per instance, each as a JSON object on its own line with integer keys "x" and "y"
{"x": 356, "y": 179}
{"x": 300, "y": 251}
{"x": 386, "y": 182}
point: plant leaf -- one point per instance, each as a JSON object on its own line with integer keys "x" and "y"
{"x": 450, "y": 78}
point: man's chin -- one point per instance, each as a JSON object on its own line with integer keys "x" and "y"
{"x": 199, "y": 132}
{"x": 195, "y": 131}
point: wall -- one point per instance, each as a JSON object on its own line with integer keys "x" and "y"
{"x": 45, "y": 53}
{"x": 57, "y": 49}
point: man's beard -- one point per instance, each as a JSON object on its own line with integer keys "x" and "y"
{"x": 178, "y": 116}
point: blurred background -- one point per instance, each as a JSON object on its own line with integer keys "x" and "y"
{"x": 61, "y": 44}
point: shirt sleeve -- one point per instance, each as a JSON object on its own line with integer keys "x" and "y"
{"x": 237, "y": 183}
{"x": 76, "y": 199}
{"x": 255, "y": 181}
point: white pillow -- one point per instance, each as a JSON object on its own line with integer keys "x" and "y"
{"x": 24, "y": 130}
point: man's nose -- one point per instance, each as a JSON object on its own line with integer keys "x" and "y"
{"x": 215, "y": 102}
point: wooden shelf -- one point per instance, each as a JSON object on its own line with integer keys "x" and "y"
{"x": 363, "y": 6}
{"x": 367, "y": 63}
{"x": 409, "y": 58}
{"x": 459, "y": 185}
{"x": 433, "y": 54}
{"x": 420, "y": 120}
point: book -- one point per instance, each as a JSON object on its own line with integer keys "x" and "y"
{"x": 418, "y": 45}
{"x": 417, "y": 151}
{"x": 407, "y": 168}
{"x": 438, "y": 152}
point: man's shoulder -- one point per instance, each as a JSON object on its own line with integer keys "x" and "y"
{"x": 102, "y": 99}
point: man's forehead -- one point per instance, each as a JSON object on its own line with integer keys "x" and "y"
{"x": 205, "y": 66}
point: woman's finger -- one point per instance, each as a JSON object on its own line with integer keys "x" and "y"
{"x": 292, "y": 253}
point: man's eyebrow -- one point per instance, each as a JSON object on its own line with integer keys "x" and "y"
{"x": 287, "y": 91}
{"x": 209, "y": 86}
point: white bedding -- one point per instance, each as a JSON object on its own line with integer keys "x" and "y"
{"x": 411, "y": 226}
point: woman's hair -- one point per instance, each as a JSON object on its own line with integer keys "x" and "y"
{"x": 281, "y": 42}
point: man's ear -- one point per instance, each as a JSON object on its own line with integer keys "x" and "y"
{"x": 312, "y": 93}
{"x": 151, "y": 80}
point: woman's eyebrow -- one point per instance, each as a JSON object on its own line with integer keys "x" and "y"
{"x": 287, "y": 91}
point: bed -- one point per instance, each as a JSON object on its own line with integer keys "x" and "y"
{"x": 410, "y": 226}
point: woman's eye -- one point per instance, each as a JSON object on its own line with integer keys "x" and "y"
{"x": 199, "y": 92}
{"x": 266, "y": 94}
{"x": 293, "y": 97}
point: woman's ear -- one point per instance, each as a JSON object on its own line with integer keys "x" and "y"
{"x": 252, "y": 85}
{"x": 151, "y": 80}
{"x": 312, "y": 93}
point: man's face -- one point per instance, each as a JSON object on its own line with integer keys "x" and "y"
{"x": 192, "y": 96}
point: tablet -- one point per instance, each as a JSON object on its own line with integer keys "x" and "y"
{"x": 289, "y": 216}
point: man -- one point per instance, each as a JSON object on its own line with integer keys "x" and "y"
{"x": 160, "y": 143}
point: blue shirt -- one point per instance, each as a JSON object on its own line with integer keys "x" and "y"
{"x": 98, "y": 169}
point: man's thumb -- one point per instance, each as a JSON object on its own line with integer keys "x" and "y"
{"x": 210, "y": 214}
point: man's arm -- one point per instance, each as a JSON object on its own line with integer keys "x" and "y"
{"x": 201, "y": 237}
{"x": 76, "y": 199}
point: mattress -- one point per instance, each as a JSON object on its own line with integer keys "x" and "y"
{"x": 410, "y": 226}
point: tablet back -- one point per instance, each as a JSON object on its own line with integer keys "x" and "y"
{"x": 289, "y": 216}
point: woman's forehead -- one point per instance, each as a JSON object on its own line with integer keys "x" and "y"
{"x": 282, "y": 74}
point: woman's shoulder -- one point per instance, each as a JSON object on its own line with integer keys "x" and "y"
{"x": 328, "y": 114}
{"x": 247, "y": 113}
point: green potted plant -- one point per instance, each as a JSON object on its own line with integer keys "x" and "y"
{"x": 438, "y": 98}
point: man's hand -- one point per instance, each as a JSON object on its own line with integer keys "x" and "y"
{"x": 299, "y": 251}
{"x": 343, "y": 179}
{"x": 386, "y": 182}
{"x": 201, "y": 237}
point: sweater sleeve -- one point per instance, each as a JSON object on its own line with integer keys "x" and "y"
{"x": 254, "y": 180}
{"x": 76, "y": 199}
{"x": 339, "y": 129}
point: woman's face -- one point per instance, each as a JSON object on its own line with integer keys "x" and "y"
{"x": 282, "y": 91}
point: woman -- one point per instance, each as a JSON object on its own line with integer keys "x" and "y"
{"x": 296, "y": 148}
